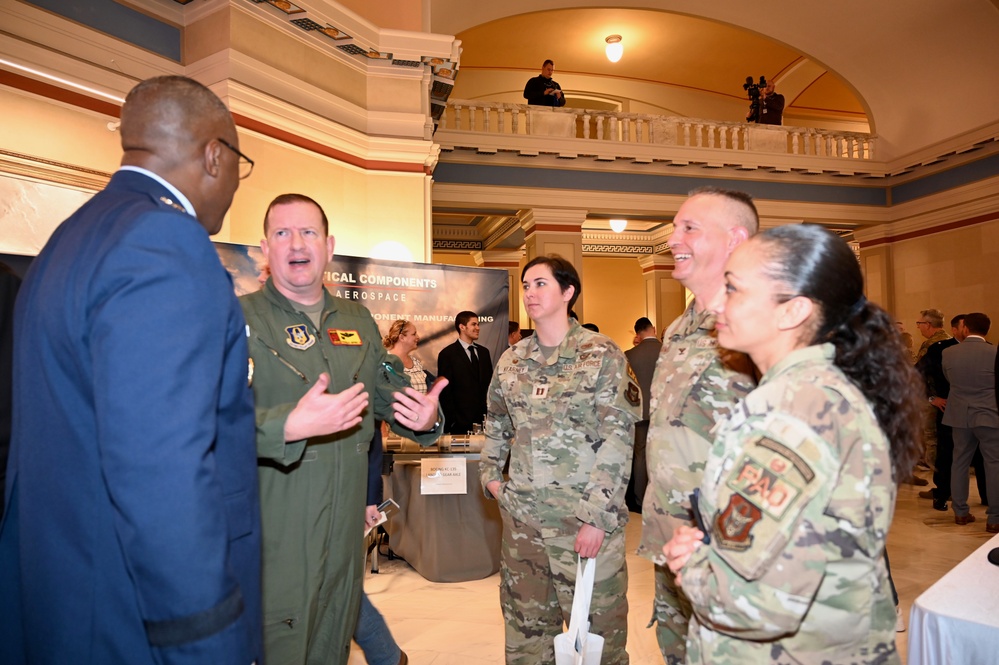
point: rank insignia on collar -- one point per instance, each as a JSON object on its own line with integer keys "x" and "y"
{"x": 173, "y": 204}
{"x": 344, "y": 337}
{"x": 299, "y": 337}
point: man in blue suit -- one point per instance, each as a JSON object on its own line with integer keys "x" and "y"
{"x": 132, "y": 531}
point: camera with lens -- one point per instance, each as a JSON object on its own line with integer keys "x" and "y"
{"x": 753, "y": 90}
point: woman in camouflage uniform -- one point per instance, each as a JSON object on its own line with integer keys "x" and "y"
{"x": 798, "y": 494}
{"x": 563, "y": 406}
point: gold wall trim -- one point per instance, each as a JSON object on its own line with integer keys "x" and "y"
{"x": 48, "y": 170}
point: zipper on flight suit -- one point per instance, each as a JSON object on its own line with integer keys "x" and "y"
{"x": 283, "y": 361}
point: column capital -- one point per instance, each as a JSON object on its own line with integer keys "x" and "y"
{"x": 656, "y": 262}
{"x": 498, "y": 258}
{"x": 558, "y": 220}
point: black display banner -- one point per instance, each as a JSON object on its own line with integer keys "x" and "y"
{"x": 428, "y": 295}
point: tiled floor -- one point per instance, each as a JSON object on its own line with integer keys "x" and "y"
{"x": 460, "y": 624}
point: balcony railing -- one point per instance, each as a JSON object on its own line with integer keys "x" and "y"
{"x": 500, "y": 126}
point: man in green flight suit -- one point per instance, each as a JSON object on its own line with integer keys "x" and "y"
{"x": 314, "y": 359}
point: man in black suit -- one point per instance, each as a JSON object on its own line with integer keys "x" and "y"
{"x": 642, "y": 360}
{"x": 469, "y": 369}
{"x": 973, "y": 414}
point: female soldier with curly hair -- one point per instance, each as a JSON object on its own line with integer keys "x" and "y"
{"x": 797, "y": 497}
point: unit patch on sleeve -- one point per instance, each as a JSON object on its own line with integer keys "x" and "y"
{"x": 299, "y": 337}
{"x": 734, "y": 524}
{"x": 632, "y": 393}
{"x": 764, "y": 485}
{"x": 344, "y": 337}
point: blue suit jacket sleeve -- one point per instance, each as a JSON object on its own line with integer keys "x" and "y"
{"x": 157, "y": 301}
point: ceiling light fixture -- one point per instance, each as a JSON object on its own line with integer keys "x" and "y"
{"x": 615, "y": 49}
{"x": 618, "y": 225}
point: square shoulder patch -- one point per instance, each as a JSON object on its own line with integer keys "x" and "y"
{"x": 771, "y": 476}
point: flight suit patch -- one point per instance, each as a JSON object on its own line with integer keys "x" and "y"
{"x": 344, "y": 337}
{"x": 299, "y": 337}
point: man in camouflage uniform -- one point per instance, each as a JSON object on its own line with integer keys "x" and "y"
{"x": 930, "y": 326}
{"x": 696, "y": 384}
{"x": 562, "y": 405}
{"x": 797, "y": 498}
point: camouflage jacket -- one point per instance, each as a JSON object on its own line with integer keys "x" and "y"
{"x": 696, "y": 385}
{"x": 938, "y": 336}
{"x": 797, "y": 496}
{"x": 568, "y": 425}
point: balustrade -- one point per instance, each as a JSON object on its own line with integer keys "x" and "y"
{"x": 490, "y": 118}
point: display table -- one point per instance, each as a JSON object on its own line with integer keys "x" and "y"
{"x": 956, "y": 621}
{"x": 444, "y": 537}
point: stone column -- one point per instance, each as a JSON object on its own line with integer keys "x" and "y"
{"x": 556, "y": 231}
{"x": 665, "y": 298}
{"x": 509, "y": 260}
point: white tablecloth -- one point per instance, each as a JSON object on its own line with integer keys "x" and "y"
{"x": 956, "y": 621}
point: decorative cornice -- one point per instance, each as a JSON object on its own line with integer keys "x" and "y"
{"x": 950, "y": 226}
{"x": 457, "y": 245}
{"x": 52, "y": 171}
{"x": 502, "y": 231}
{"x": 620, "y": 250}
{"x": 319, "y": 148}
{"x": 55, "y": 93}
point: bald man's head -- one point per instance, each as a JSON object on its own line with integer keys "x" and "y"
{"x": 172, "y": 126}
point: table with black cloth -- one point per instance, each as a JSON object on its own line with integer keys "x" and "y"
{"x": 444, "y": 537}
{"x": 956, "y": 621}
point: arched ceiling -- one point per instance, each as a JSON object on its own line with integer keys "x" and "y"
{"x": 677, "y": 51}
{"x": 923, "y": 70}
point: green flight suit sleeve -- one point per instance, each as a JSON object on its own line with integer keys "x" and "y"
{"x": 270, "y": 435}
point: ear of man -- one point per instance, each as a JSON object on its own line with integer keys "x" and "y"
{"x": 212, "y": 158}
{"x": 737, "y": 235}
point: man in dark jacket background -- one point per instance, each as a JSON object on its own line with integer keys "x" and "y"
{"x": 542, "y": 90}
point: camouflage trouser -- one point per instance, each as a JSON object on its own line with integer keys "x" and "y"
{"x": 537, "y": 580}
{"x": 930, "y": 434}
{"x": 671, "y": 613}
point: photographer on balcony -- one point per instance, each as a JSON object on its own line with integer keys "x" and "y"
{"x": 771, "y": 107}
{"x": 543, "y": 91}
